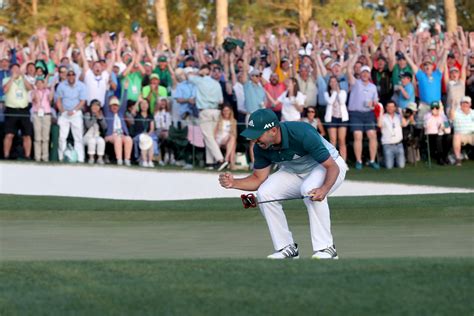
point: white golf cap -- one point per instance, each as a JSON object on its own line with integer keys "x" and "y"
{"x": 466, "y": 99}
{"x": 365, "y": 68}
{"x": 188, "y": 70}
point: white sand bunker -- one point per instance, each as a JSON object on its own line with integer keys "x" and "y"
{"x": 111, "y": 182}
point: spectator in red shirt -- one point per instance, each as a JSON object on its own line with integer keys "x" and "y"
{"x": 274, "y": 89}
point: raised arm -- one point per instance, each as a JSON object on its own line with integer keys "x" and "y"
{"x": 411, "y": 63}
{"x": 350, "y": 69}
{"x": 80, "y": 44}
{"x": 444, "y": 55}
{"x": 245, "y": 70}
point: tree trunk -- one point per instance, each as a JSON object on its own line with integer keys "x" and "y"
{"x": 162, "y": 21}
{"x": 34, "y": 11}
{"x": 305, "y": 8}
{"x": 221, "y": 19}
{"x": 451, "y": 16}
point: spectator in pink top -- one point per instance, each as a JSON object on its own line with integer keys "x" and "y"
{"x": 436, "y": 126}
{"x": 41, "y": 101}
{"x": 274, "y": 89}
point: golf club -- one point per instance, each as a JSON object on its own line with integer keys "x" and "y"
{"x": 250, "y": 200}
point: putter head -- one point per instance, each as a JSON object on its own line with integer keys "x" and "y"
{"x": 249, "y": 200}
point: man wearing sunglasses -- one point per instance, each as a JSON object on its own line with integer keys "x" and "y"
{"x": 71, "y": 99}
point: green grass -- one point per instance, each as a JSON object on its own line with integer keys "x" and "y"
{"x": 239, "y": 287}
{"x": 409, "y": 255}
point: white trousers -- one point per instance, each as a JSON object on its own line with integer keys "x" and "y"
{"x": 76, "y": 125}
{"x": 208, "y": 121}
{"x": 95, "y": 144}
{"x": 282, "y": 185}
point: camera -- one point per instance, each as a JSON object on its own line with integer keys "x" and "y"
{"x": 335, "y": 23}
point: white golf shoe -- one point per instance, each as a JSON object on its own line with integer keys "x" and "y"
{"x": 327, "y": 253}
{"x": 289, "y": 252}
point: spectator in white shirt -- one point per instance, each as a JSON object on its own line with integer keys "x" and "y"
{"x": 391, "y": 124}
{"x": 336, "y": 116}
{"x": 293, "y": 102}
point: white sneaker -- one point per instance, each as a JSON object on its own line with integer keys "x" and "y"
{"x": 91, "y": 161}
{"x": 188, "y": 166}
{"x": 127, "y": 162}
{"x": 223, "y": 166}
{"x": 289, "y": 252}
{"x": 151, "y": 164}
{"x": 328, "y": 253}
{"x": 144, "y": 164}
{"x": 166, "y": 159}
{"x": 172, "y": 160}
{"x": 100, "y": 161}
{"x": 119, "y": 162}
{"x": 161, "y": 163}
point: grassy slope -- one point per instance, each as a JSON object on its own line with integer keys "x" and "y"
{"x": 239, "y": 287}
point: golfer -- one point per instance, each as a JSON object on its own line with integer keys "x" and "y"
{"x": 308, "y": 166}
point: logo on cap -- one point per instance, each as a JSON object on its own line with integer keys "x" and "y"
{"x": 251, "y": 123}
{"x": 269, "y": 125}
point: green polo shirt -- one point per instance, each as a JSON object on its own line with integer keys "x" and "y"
{"x": 146, "y": 91}
{"x": 302, "y": 149}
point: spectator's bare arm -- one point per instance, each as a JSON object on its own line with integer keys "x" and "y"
{"x": 410, "y": 62}
{"x": 442, "y": 60}
{"x": 318, "y": 61}
{"x": 177, "y": 50}
{"x": 245, "y": 70}
{"x": 130, "y": 65}
{"x": 228, "y": 83}
{"x": 118, "y": 48}
{"x": 464, "y": 64}
{"x": 80, "y": 44}
{"x": 350, "y": 69}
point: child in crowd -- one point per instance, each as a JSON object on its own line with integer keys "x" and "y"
{"x": 41, "y": 107}
{"x": 163, "y": 123}
{"x": 436, "y": 126}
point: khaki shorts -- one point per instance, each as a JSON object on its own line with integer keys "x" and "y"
{"x": 467, "y": 139}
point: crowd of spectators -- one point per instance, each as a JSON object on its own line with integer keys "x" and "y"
{"x": 112, "y": 99}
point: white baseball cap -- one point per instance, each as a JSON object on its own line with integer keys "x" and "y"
{"x": 365, "y": 68}
{"x": 466, "y": 99}
{"x": 188, "y": 70}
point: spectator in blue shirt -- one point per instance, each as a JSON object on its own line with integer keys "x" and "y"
{"x": 429, "y": 81}
{"x": 185, "y": 94}
{"x": 71, "y": 99}
{"x": 406, "y": 90}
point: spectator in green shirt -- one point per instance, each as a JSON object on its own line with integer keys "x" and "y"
{"x": 134, "y": 75}
{"x": 154, "y": 91}
{"x": 163, "y": 72}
